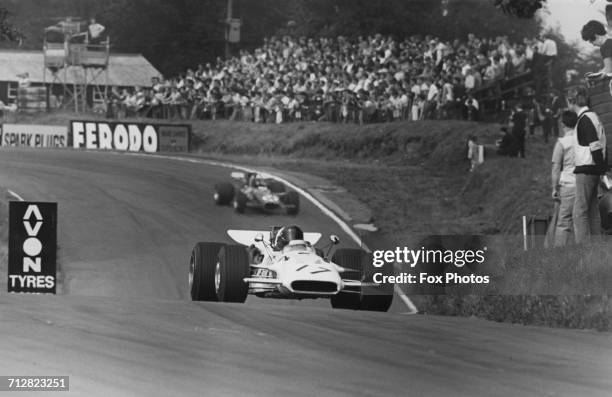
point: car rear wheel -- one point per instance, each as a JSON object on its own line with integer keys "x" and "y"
{"x": 230, "y": 271}
{"x": 348, "y": 259}
{"x": 204, "y": 258}
{"x": 376, "y": 298}
{"x": 376, "y": 303}
{"x": 292, "y": 201}
{"x": 239, "y": 203}
{"x": 276, "y": 186}
{"x": 373, "y": 298}
{"x": 223, "y": 193}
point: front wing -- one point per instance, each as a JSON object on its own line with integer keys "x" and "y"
{"x": 258, "y": 202}
{"x": 351, "y": 286}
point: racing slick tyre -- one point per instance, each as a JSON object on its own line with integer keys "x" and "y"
{"x": 376, "y": 303}
{"x": 371, "y": 298}
{"x": 292, "y": 201}
{"x": 276, "y": 186}
{"x": 240, "y": 201}
{"x": 224, "y": 192}
{"x": 376, "y": 298}
{"x": 349, "y": 259}
{"x": 202, "y": 271}
{"x": 230, "y": 271}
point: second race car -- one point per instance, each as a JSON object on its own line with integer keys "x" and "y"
{"x": 251, "y": 190}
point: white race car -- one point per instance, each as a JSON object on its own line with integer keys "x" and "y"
{"x": 288, "y": 266}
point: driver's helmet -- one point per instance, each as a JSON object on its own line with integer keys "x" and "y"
{"x": 287, "y": 234}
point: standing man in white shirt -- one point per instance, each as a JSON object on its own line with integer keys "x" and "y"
{"x": 94, "y": 32}
{"x": 470, "y": 80}
{"x": 432, "y": 101}
{"x": 548, "y": 50}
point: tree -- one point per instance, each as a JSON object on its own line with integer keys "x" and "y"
{"x": 402, "y": 18}
{"x": 173, "y": 35}
{"x": 519, "y": 8}
{"x": 7, "y": 31}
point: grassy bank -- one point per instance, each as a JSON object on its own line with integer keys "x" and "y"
{"x": 578, "y": 311}
{"x": 564, "y": 287}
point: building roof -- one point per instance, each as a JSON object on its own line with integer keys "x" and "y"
{"x": 123, "y": 70}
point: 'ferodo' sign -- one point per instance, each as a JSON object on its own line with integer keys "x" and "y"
{"x": 132, "y": 137}
{"x": 34, "y": 135}
{"x": 32, "y": 247}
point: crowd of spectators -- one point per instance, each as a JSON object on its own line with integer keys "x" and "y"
{"x": 369, "y": 79}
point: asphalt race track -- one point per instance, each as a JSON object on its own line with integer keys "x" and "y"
{"x": 123, "y": 323}
{"x": 127, "y": 224}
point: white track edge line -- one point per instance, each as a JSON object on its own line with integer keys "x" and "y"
{"x": 12, "y": 193}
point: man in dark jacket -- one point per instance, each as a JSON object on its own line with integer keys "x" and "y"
{"x": 590, "y": 164}
{"x": 555, "y": 107}
{"x": 507, "y": 145}
{"x": 519, "y": 124}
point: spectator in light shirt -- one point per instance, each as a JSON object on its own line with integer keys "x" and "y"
{"x": 94, "y": 32}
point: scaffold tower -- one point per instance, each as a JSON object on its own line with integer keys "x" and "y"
{"x": 74, "y": 64}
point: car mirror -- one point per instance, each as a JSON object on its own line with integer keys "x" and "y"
{"x": 258, "y": 238}
{"x": 334, "y": 239}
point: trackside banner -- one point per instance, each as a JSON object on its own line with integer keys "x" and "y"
{"x": 31, "y": 135}
{"x": 32, "y": 247}
{"x": 130, "y": 137}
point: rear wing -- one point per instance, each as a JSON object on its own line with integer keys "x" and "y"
{"x": 247, "y": 237}
{"x": 238, "y": 175}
